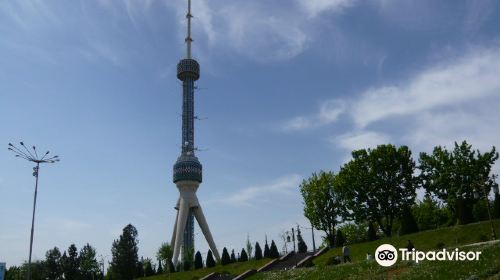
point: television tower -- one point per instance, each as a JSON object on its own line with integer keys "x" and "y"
{"x": 188, "y": 169}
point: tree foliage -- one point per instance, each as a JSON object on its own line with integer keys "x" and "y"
{"x": 339, "y": 239}
{"x": 430, "y": 214}
{"x": 273, "y": 251}
{"x": 302, "y": 246}
{"x": 89, "y": 266}
{"x": 233, "y": 256}
{"x": 322, "y": 205}
{"x": 452, "y": 176}
{"x": 377, "y": 184}
{"x": 124, "y": 254}
{"x": 53, "y": 264}
{"x": 266, "y": 251}
{"x": 408, "y": 223}
{"x": 225, "y": 259}
{"x": 210, "y": 259}
{"x": 243, "y": 255}
{"x": 198, "y": 261}
{"x": 249, "y": 247}
{"x": 148, "y": 268}
{"x": 71, "y": 263}
{"x": 258, "y": 251}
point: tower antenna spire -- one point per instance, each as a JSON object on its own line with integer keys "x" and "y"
{"x": 188, "y": 38}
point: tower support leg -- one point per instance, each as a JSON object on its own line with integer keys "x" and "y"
{"x": 181, "y": 224}
{"x": 172, "y": 242}
{"x": 200, "y": 217}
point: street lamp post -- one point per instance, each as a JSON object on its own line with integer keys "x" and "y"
{"x": 480, "y": 193}
{"x": 33, "y": 157}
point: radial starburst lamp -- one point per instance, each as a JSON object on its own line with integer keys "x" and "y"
{"x": 32, "y": 156}
{"x": 188, "y": 169}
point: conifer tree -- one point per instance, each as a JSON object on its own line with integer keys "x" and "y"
{"x": 225, "y": 259}
{"x": 266, "y": 251}
{"x": 198, "y": 261}
{"x": 300, "y": 242}
{"x": 243, "y": 256}
{"x": 258, "y": 251}
{"x": 233, "y": 257}
{"x": 124, "y": 252}
{"x": 210, "y": 259}
{"x": 273, "y": 251}
{"x": 160, "y": 268}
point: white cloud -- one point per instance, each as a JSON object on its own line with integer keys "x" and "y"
{"x": 316, "y": 7}
{"x": 329, "y": 112}
{"x": 361, "y": 140}
{"x": 285, "y": 185}
{"x": 469, "y": 78}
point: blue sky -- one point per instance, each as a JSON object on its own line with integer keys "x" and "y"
{"x": 287, "y": 87}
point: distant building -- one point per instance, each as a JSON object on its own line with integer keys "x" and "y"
{"x": 2, "y": 270}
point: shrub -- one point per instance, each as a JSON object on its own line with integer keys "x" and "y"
{"x": 339, "y": 239}
{"x": 243, "y": 256}
{"x": 273, "y": 251}
{"x": 225, "y": 259}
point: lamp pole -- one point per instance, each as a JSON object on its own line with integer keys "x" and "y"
{"x": 33, "y": 157}
{"x": 480, "y": 193}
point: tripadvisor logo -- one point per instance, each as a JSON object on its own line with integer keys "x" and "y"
{"x": 387, "y": 255}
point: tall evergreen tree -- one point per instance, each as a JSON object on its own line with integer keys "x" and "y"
{"x": 243, "y": 255}
{"x": 198, "y": 261}
{"x": 300, "y": 242}
{"x": 339, "y": 239}
{"x": 53, "y": 264}
{"x": 273, "y": 251}
{"x": 140, "y": 268}
{"x": 233, "y": 256}
{"x": 160, "y": 268}
{"x": 148, "y": 268}
{"x": 89, "y": 267}
{"x": 258, "y": 251}
{"x": 225, "y": 259}
{"x": 210, "y": 259}
{"x": 71, "y": 263}
{"x": 124, "y": 254}
{"x": 266, "y": 251}
{"x": 249, "y": 247}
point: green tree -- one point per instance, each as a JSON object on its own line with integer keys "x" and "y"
{"x": 148, "y": 268}
{"x": 198, "y": 261}
{"x": 322, "y": 205}
{"x": 302, "y": 246}
{"x": 377, "y": 184}
{"x": 408, "y": 223}
{"x": 371, "y": 232}
{"x": 171, "y": 266}
{"x": 89, "y": 267}
{"x": 340, "y": 239}
{"x": 188, "y": 260}
{"x": 165, "y": 254}
{"x": 430, "y": 214}
{"x": 496, "y": 206}
{"x": 210, "y": 259}
{"x": 243, "y": 255}
{"x": 452, "y": 176}
{"x": 71, "y": 263}
{"x": 160, "y": 268}
{"x": 225, "y": 259}
{"x": 258, "y": 251}
{"x": 53, "y": 264}
{"x": 266, "y": 251}
{"x": 124, "y": 254}
{"x": 273, "y": 251}
{"x": 14, "y": 273}
{"x": 249, "y": 247}
{"x": 233, "y": 256}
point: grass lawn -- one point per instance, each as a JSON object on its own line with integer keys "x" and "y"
{"x": 452, "y": 237}
{"x": 233, "y": 269}
{"x": 488, "y": 267}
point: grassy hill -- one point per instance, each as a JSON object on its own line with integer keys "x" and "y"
{"x": 427, "y": 240}
{"x": 451, "y": 237}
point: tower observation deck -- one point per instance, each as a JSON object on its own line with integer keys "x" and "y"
{"x": 188, "y": 169}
